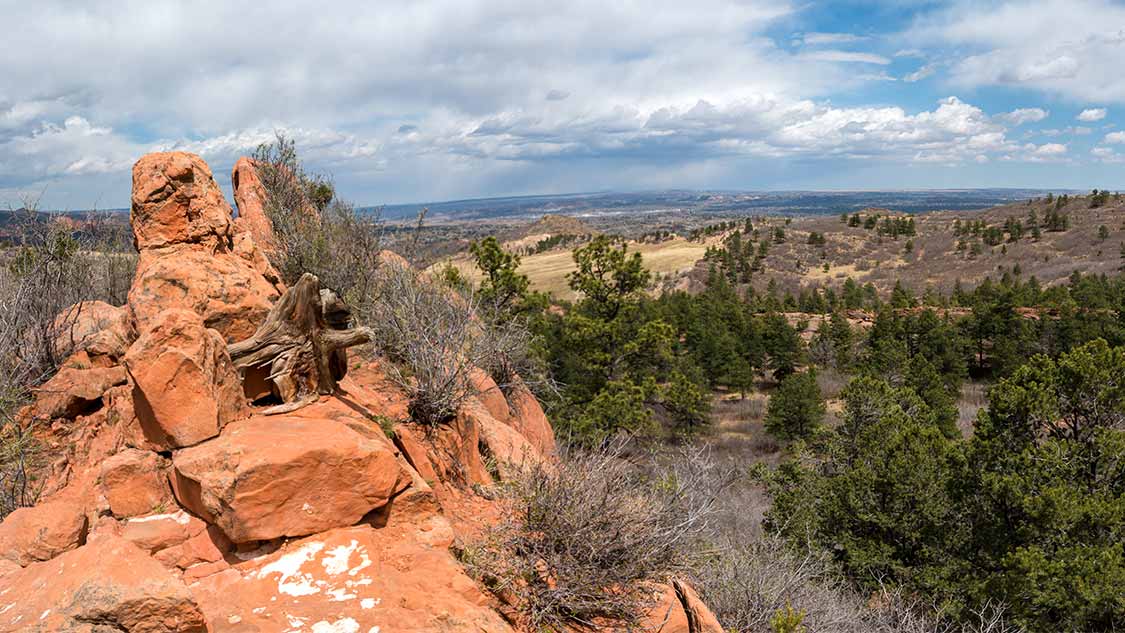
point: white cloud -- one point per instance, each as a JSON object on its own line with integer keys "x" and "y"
{"x": 1107, "y": 155}
{"x": 1115, "y": 137}
{"x": 1072, "y": 48}
{"x": 1049, "y": 150}
{"x": 920, "y": 74}
{"x": 1090, "y": 115}
{"x": 818, "y": 39}
{"x": 1021, "y": 116}
{"x": 846, "y": 57}
{"x": 1046, "y": 153}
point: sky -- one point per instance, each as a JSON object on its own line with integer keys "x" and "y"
{"x": 443, "y": 99}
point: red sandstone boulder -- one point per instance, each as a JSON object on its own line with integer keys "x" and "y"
{"x": 176, "y": 201}
{"x": 679, "y": 610}
{"x": 490, "y": 395}
{"x": 135, "y": 482}
{"x": 528, "y": 418}
{"x": 157, "y": 532}
{"x": 42, "y": 532}
{"x": 266, "y": 477}
{"x": 177, "y": 540}
{"x": 108, "y": 585}
{"x": 223, "y": 288}
{"x": 355, "y": 579}
{"x": 94, "y": 327}
{"x": 73, "y": 392}
{"x": 508, "y": 452}
{"x": 186, "y": 388}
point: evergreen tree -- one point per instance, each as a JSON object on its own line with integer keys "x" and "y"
{"x": 796, "y": 409}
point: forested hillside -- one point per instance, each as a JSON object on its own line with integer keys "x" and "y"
{"x": 889, "y": 482}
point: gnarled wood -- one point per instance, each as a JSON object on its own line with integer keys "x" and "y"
{"x": 301, "y": 344}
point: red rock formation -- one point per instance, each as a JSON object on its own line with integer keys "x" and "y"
{"x": 250, "y": 197}
{"x": 176, "y": 201}
{"x": 43, "y": 532}
{"x": 267, "y": 477}
{"x": 110, "y": 583}
{"x": 170, "y": 506}
{"x": 135, "y": 482}
{"x": 192, "y": 255}
{"x": 185, "y": 387}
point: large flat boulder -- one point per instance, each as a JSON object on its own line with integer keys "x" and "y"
{"x": 357, "y": 579}
{"x": 267, "y": 477}
{"x": 186, "y": 387}
{"x": 107, "y": 585}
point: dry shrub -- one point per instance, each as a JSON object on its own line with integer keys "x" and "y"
{"x": 748, "y": 582}
{"x": 433, "y": 339}
{"x": 583, "y": 537}
{"x": 21, "y": 457}
{"x": 313, "y": 230}
{"x": 42, "y": 280}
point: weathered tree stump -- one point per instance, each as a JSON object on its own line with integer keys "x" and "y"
{"x": 301, "y": 344}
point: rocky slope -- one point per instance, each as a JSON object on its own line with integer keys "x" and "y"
{"x": 175, "y": 504}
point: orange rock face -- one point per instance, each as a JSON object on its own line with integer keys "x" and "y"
{"x": 186, "y": 388}
{"x": 176, "y": 201}
{"x": 528, "y": 418}
{"x": 106, "y": 585}
{"x": 73, "y": 392}
{"x": 223, "y": 288}
{"x": 43, "y": 532}
{"x": 267, "y": 477}
{"x": 250, "y": 196}
{"x": 679, "y": 610}
{"x": 351, "y": 579}
{"x": 135, "y": 482}
{"x": 508, "y": 451}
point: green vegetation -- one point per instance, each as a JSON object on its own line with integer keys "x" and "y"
{"x": 1027, "y": 509}
{"x": 892, "y": 493}
{"x": 796, "y": 409}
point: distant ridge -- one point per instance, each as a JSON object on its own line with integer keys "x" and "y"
{"x": 716, "y": 202}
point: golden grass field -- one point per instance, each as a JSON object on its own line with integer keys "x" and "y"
{"x": 547, "y": 271}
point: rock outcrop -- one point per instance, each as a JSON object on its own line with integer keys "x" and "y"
{"x": 250, "y": 197}
{"x": 268, "y": 477}
{"x": 107, "y": 585}
{"x": 185, "y": 386}
{"x": 173, "y": 503}
{"x": 135, "y": 482}
{"x": 43, "y": 532}
{"x": 191, "y": 254}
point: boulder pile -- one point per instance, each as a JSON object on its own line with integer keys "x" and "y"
{"x": 175, "y": 504}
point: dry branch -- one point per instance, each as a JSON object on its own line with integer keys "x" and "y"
{"x": 300, "y": 344}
